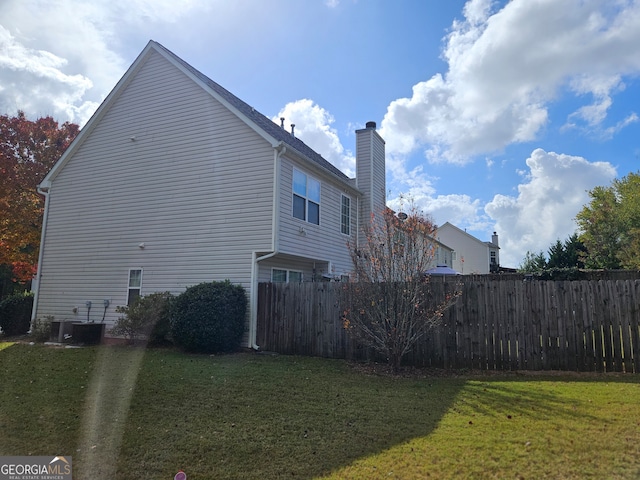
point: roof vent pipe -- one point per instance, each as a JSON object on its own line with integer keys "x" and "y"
{"x": 293, "y": 126}
{"x": 282, "y": 123}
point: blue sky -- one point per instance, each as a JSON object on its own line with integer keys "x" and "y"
{"x": 498, "y": 116}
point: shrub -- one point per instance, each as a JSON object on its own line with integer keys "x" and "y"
{"x": 147, "y": 317}
{"x": 558, "y": 274}
{"x": 161, "y": 332}
{"x": 209, "y": 317}
{"x": 41, "y": 331}
{"x": 15, "y": 313}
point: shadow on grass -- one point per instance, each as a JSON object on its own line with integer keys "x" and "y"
{"x": 147, "y": 414}
{"x": 561, "y": 396}
{"x": 256, "y": 416}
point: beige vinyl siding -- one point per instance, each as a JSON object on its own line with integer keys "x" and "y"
{"x": 288, "y": 263}
{"x": 370, "y": 174}
{"x": 378, "y": 191}
{"x": 323, "y": 242}
{"x": 194, "y": 185}
{"x": 364, "y": 177}
{"x": 472, "y": 255}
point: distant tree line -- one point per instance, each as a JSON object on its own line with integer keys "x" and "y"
{"x": 608, "y": 235}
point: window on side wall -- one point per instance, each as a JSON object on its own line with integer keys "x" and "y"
{"x": 306, "y": 197}
{"x": 345, "y": 215}
{"x": 286, "y": 276}
{"x": 135, "y": 285}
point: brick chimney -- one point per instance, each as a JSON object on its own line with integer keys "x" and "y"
{"x": 370, "y": 173}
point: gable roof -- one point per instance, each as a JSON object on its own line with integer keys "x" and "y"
{"x": 272, "y": 132}
{"x": 448, "y": 225}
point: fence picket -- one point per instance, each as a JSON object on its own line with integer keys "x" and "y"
{"x": 497, "y": 324}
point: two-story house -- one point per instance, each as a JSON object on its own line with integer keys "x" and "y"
{"x": 175, "y": 181}
{"x": 470, "y": 255}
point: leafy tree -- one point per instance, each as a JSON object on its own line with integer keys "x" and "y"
{"x": 391, "y": 305}
{"x": 28, "y": 150}
{"x": 610, "y": 225}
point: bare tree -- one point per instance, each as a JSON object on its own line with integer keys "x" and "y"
{"x": 391, "y": 303}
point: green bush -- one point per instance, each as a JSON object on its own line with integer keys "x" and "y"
{"x": 559, "y": 274}
{"x": 41, "y": 331}
{"x": 146, "y": 318}
{"x": 209, "y": 317}
{"x": 15, "y": 313}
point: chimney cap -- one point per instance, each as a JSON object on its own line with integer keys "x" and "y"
{"x": 371, "y": 125}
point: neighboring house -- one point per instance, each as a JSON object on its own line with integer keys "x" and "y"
{"x": 470, "y": 256}
{"x": 174, "y": 181}
{"x": 443, "y": 254}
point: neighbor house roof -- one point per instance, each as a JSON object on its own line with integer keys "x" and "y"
{"x": 246, "y": 112}
{"x": 448, "y": 225}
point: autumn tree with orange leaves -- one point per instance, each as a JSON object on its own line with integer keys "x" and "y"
{"x": 28, "y": 150}
{"x": 392, "y": 304}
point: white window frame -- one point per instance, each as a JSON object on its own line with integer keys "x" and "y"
{"x": 131, "y": 288}
{"x": 344, "y": 224}
{"x": 306, "y": 197}
{"x": 287, "y": 274}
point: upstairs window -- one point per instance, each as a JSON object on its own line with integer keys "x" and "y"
{"x": 135, "y": 285}
{"x": 306, "y": 197}
{"x": 345, "y": 215}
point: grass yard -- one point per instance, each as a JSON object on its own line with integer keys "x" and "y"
{"x": 133, "y": 414}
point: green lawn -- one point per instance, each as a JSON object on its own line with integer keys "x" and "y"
{"x": 133, "y": 414}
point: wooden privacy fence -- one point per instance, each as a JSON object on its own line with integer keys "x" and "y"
{"x": 495, "y": 325}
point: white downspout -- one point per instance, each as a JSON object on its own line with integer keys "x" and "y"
{"x": 44, "y": 191}
{"x": 275, "y": 226}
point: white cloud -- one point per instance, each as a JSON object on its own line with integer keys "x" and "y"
{"x": 418, "y": 188}
{"x": 57, "y": 92}
{"x": 63, "y": 61}
{"x": 553, "y": 191}
{"x": 507, "y": 67}
{"x": 313, "y": 126}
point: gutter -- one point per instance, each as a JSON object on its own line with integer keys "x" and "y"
{"x": 44, "y": 191}
{"x": 253, "y": 320}
{"x": 279, "y": 150}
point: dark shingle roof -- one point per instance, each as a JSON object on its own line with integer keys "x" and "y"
{"x": 266, "y": 124}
